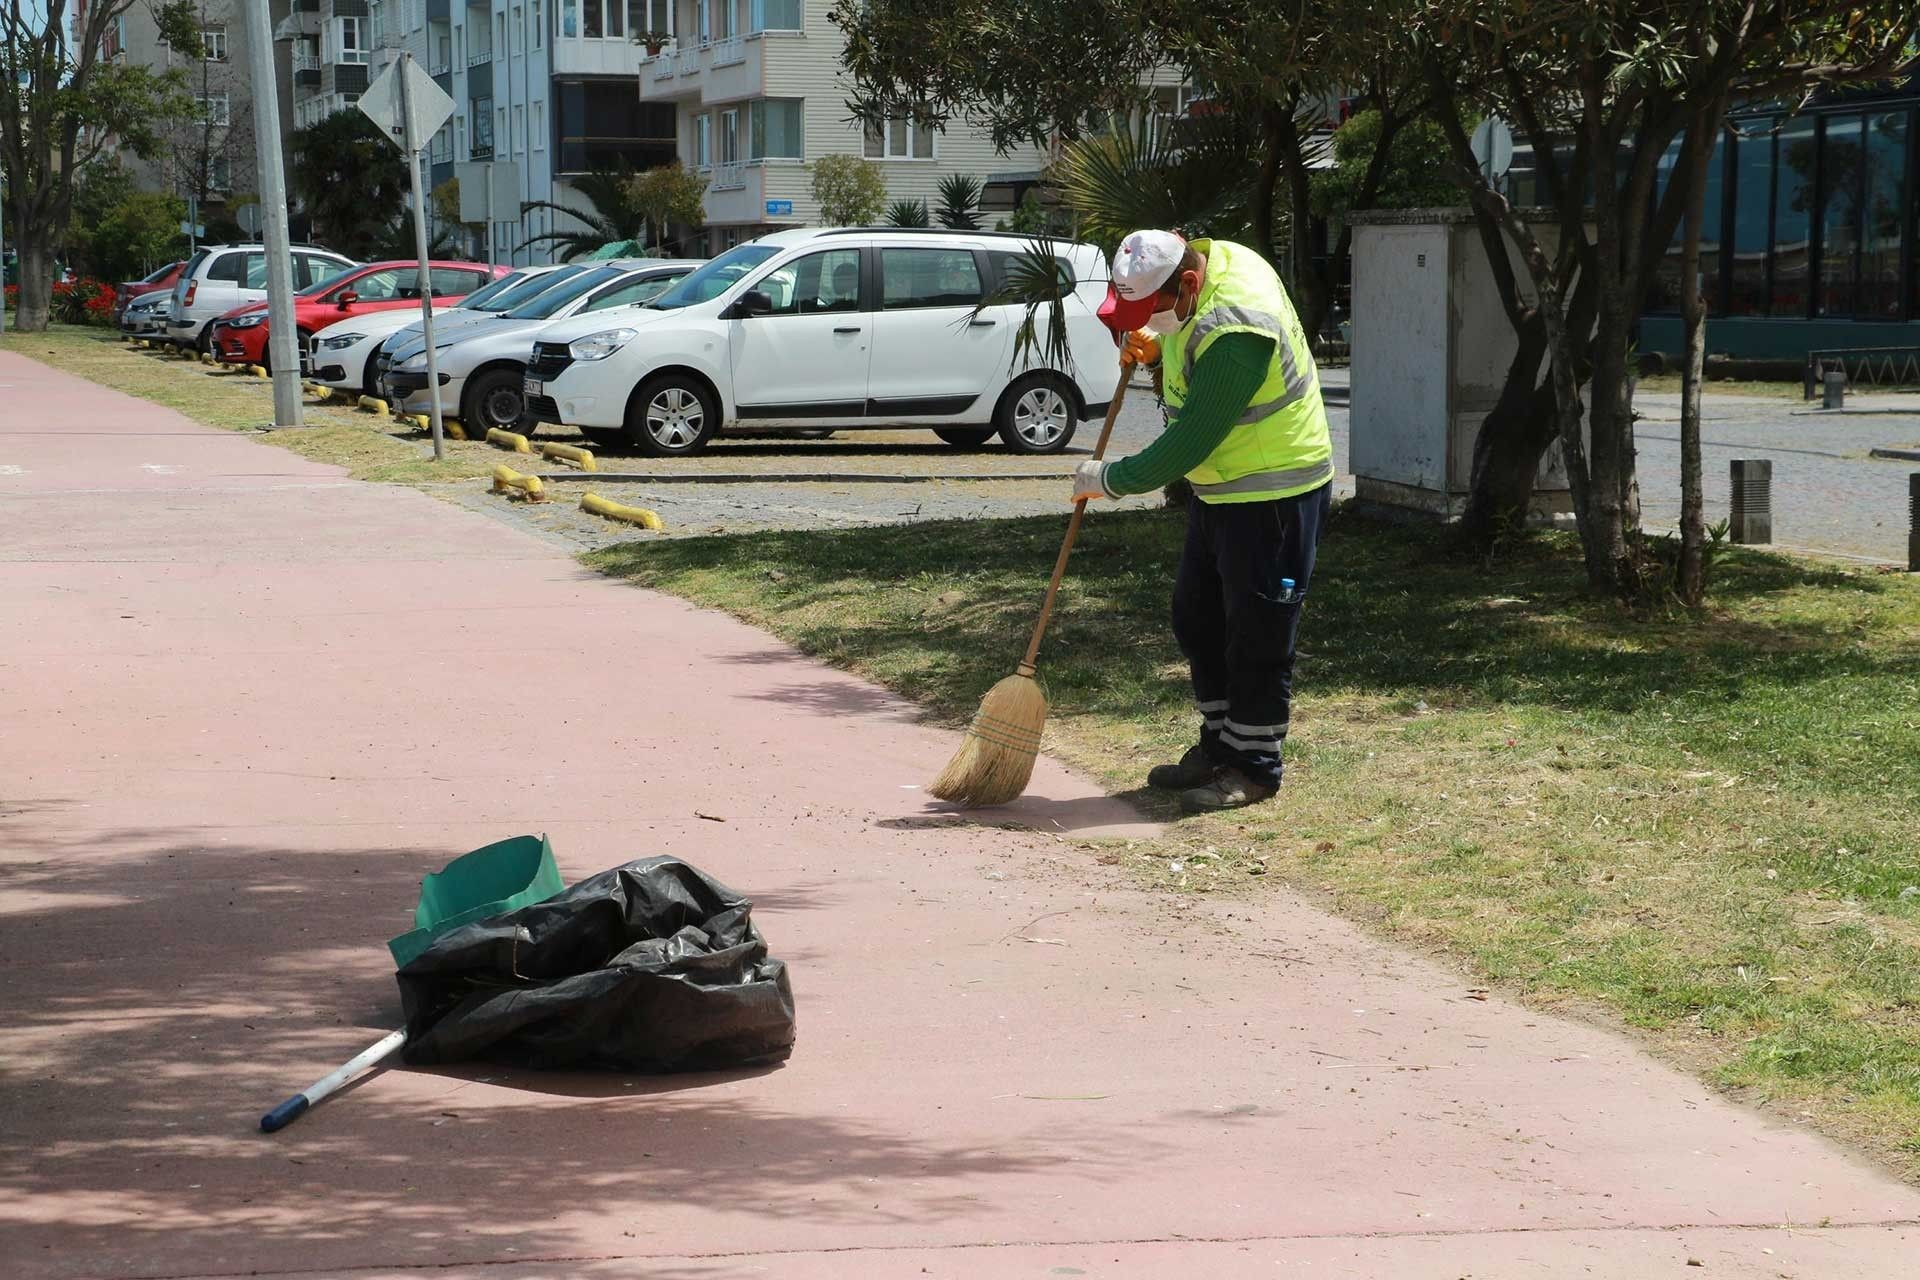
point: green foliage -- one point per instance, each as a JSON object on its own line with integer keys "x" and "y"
{"x": 1030, "y": 218}
{"x": 351, "y": 180}
{"x": 135, "y": 236}
{"x": 908, "y": 213}
{"x": 668, "y": 195}
{"x": 1035, "y": 282}
{"x": 1197, "y": 184}
{"x": 1417, "y": 175}
{"x": 616, "y": 215}
{"x": 960, "y": 202}
{"x": 849, "y": 191}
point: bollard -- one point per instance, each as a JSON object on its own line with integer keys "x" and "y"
{"x": 500, "y": 438}
{"x": 1752, "y": 515}
{"x": 508, "y": 481}
{"x": 594, "y": 504}
{"x": 1835, "y": 390}
{"x": 1913, "y": 523}
{"x": 374, "y": 405}
{"x": 570, "y": 454}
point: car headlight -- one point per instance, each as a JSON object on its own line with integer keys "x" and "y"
{"x": 341, "y": 342}
{"x": 246, "y": 322}
{"x": 598, "y": 346}
{"x": 413, "y": 363}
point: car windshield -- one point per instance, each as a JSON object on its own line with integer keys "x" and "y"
{"x": 157, "y": 274}
{"x": 714, "y": 279}
{"x": 481, "y": 299}
{"x": 552, "y": 300}
{"x": 321, "y": 286}
{"x": 531, "y": 288}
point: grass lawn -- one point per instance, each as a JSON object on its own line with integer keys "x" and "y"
{"x": 369, "y": 448}
{"x": 1669, "y": 384}
{"x": 1705, "y": 825}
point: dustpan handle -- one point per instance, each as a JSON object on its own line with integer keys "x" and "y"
{"x": 1027, "y": 667}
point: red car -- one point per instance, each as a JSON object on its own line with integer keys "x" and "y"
{"x": 240, "y": 336}
{"x": 127, "y": 290}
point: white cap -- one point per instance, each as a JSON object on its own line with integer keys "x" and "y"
{"x": 1144, "y": 261}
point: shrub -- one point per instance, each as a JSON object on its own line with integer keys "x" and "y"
{"x": 82, "y": 301}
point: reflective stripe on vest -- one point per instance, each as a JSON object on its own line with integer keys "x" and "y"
{"x": 1311, "y": 476}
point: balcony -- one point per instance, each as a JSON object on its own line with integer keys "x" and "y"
{"x": 690, "y": 61}
{"x": 477, "y": 56}
{"x": 723, "y": 72}
{"x": 306, "y": 64}
{"x": 728, "y": 176}
{"x": 301, "y": 22}
{"x": 742, "y": 201}
{"x": 730, "y": 52}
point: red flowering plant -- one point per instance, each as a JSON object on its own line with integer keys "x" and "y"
{"x": 83, "y": 301}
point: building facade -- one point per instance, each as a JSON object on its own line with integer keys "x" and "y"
{"x": 212, "y": 157}
{"x": 1814, "y": 230}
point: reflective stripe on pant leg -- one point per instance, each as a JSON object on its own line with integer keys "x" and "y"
{"x": 1213, "y": 714}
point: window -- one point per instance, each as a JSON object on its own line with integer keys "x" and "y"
{"x": 416, "y": 14}
{"x": 350, "y": 41}
{"x": 648, "y": 15}
{"x": 729, "y": 137}
{"x": 928, "y": 278}
{"x": 1664, "y": 295}
{"x": 1793, "y": 205}
{"x": 454, "y": 282}
{"x": 220, "y": 173}
{"x": 115, "y": 42}
{"x": 213, "y": 42}
{"x": 702, "y": 146}
{"x": 500, "y": 34}
{"x": 213, "y": 108}
{"x": 441, "y": 148}
{"x": 602, "y": 19}
{"x": 517, "y": 25}
{"x": 1841, "y": 158}
{"x": 502, "y": 126}
{"x": 519, "y": 131}
{"x": 817, "y": 283}
{"x": 632, "y": 293}
{"x": 537, "y": 23}
{"x": 460, "y": 136}
{"x": 774, "y": 126}
{"x": 439, "y": 48}
{"x": 721, "y": 19}
{"x": 1752, "y": 209}
{"x": 1002, "y": 263}
{"x": 899, "y": 139}
{"x": 386, "y": 286}
{"x": 1886, "y": 179}
{"x": 775, "y": 15}
{"x": 482, "y": 128}
{"x": 539, "y": 126}
{"x": 569, "y": 17}
{"x": 702, "y": 23}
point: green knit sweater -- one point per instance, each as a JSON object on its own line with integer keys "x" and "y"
{"x": 1223, "y": 384}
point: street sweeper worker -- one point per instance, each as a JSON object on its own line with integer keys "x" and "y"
{"x": 1248, "y": 431}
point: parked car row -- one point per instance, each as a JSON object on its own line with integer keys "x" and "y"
{"x": 807, "y": 330}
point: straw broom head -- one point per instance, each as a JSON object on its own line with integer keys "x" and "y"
{"x": 995, "y": 761}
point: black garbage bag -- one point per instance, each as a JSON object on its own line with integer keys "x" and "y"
{"x": 652, "y": 966}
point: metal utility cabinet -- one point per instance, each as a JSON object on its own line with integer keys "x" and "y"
{"x": 1431, "y": 346}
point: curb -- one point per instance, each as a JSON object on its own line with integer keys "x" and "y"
{"x": 1895, "y": 455}
{"x": 1853, "y": 413}
{"x": 803, "y": 477}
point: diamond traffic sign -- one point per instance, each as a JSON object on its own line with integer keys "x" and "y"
{"x": 388, "y": 102}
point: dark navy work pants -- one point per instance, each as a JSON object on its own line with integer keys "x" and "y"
{"x": 1236, "y": 621}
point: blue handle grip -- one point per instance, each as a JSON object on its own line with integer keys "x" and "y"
{"x": 284, "y": 1114}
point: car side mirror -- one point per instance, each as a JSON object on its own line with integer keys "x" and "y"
{"x": 347, "y": 299}
{"x": 751, "y": 303}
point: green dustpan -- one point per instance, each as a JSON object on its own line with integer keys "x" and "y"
{"x": 487, "y": 882}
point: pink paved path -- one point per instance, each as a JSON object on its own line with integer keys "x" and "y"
{"x": 248, "y": 704}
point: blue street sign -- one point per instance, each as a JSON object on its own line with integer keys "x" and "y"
{"x": 779, "y": 206}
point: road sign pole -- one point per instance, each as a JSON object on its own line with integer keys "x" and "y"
{"x": 490, "y": 249}
{"x": 411, "y": 144}
{"x": 283, "y": 346}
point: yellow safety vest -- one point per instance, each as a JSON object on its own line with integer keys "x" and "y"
{"x": 1280, "y": 447}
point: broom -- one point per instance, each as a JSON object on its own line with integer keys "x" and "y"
{"x": 995, "y": 759}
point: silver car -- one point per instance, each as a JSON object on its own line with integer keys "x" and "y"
{"x": 146, "y": 315}
{"x": 483, "y": 364}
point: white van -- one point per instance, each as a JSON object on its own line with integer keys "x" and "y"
{"x": 834, "y": 329}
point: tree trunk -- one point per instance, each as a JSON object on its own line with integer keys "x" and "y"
{"x": 1510, "y": 443}
{"x": 1691, "y": 582}
{"x": 36, "y": 280}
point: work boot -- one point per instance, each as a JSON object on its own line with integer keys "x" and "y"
{"x": 1194, "y": 770}
{"x": 1228, "y": 789}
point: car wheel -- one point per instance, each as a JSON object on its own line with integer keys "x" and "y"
{"x": 495, "y": 399}
{"x": 671, "y": 416}
{"x": 204, "y": 343}
{"x": 1037, "y": 414}
{"x": 964, "y": 437}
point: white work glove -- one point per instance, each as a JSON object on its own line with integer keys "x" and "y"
{"x": 1090, "y": 481}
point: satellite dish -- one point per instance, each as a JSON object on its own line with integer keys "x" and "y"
{"x": 248, "y": 216}
{"x": 1493, "y": 148}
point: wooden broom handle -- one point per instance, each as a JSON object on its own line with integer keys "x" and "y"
{"x": 1027, "y": 667}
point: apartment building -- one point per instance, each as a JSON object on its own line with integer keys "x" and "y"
{"x": 211, "y": 156}
{"x": 760, "y": 92}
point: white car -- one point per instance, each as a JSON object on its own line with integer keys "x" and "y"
{"x": 146, "y": 315}
{"x": 221, "y": 277}
{"x": 339, "y": 354}
{"x": 836, "y": 329}
{"x": 483, "y": 365}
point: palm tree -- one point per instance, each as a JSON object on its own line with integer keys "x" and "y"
{"x": 616, "y": 215}
{"x": 907, "y": 213}
{"x": 959, "y": 196}
{"x": 350, "y": 179}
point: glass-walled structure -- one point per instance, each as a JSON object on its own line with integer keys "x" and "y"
{"x": 1813, "y": 236}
